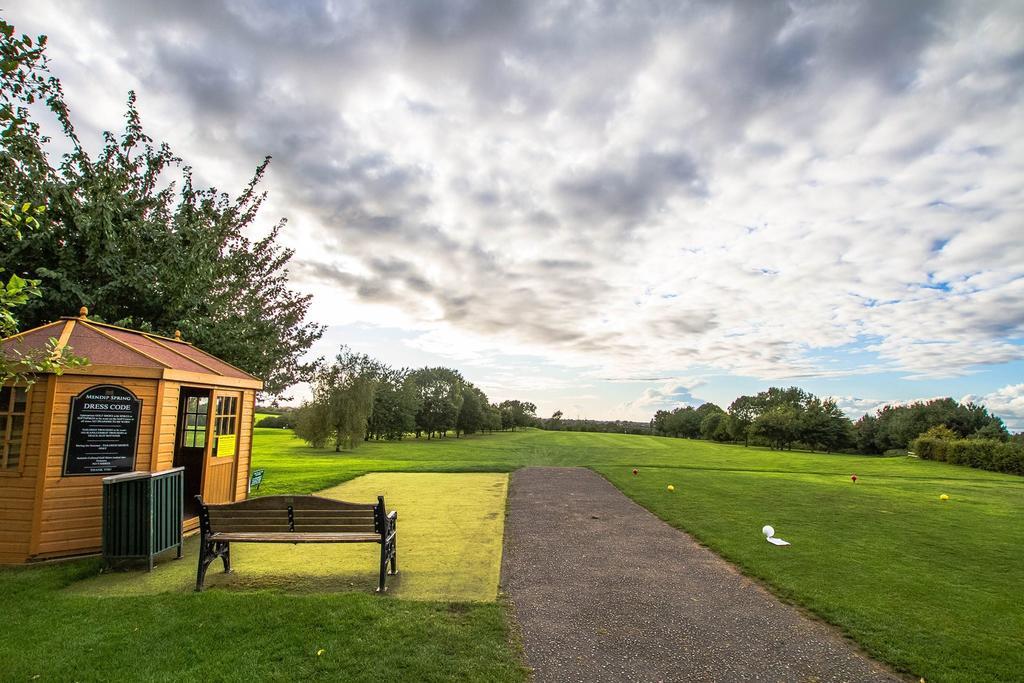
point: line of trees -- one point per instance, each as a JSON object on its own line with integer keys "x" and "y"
{"x": 357, "y": 398}
{"x": 894, "y": 427}
{"x": 777, "y": 417}
{"x": 786, "y": 417}
{"x": 559, "y": 423}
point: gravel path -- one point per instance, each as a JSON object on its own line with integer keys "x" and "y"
{"x": 605, "y": 591}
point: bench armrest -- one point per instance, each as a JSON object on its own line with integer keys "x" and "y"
{"x": 391, "y": 521}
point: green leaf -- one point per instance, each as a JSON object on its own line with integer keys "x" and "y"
{"x": 16, "y": 283}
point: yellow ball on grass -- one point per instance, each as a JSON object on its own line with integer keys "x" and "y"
{"x": 671, "y": 488}
{"x": 943, "y": 497}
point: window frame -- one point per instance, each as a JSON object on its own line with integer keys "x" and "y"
{"x": 7, "y": 412}
{"x": 226, "y": 409}
{"x": 193, "y": 430}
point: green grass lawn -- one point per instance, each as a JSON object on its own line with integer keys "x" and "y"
{"x": 933, "y": 588}
{"x": 55, "y": 635}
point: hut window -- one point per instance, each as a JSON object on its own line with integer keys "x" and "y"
{"x": 13, "y": 403}
{"x": 194, "y": 433}
{"x": 225, "y": 425}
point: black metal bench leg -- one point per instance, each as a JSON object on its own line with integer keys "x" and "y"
{"x": 383, "y": 568}
{"x": 394, "y": 556}
{"x": 226, "y": 557}
{"x": 205, "y": 558}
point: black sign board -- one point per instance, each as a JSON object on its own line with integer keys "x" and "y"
{"x": 103, "y": 431}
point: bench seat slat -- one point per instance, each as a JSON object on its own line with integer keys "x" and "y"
{"x": 335, "y": 514}
{"x": 299, "y": 528}
{"x": 263, "y": 514}
{"x": 296, "y": 502}
{"x": 295, "y": 537}
{"x": 355, "y": 521}
{"x": 263, "y": 519}
{"x": 330, "y": 528}
{"x": 250, "y": 528}
{"x": 223, "y": 523}
{"x": 317, "y": 503}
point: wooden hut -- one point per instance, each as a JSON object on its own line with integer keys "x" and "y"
{"x": 143, "y": 403}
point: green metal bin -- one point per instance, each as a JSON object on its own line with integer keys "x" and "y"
{"x": 142, "y": 514}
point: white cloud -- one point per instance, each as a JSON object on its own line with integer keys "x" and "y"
{"x": 670, "y": 394}
{"x": 1006, "y": 402}
{"x": 734, "y": 186}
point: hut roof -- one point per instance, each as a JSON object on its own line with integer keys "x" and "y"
{"x": 109, "y": 345}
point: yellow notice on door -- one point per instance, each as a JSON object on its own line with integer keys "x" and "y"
{"x": 226, "y": 445}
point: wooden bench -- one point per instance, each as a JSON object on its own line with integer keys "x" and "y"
{"x": 294, "y": 519}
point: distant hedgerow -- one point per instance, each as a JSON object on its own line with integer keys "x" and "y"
{"x": 282, "y": 421}
{"x": 984, "y": 454}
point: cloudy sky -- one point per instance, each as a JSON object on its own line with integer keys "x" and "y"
{"x": 611, "y": 208}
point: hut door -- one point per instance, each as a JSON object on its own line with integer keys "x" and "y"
{"x": 190, "y": 442}
{"x": 222, "y": 451}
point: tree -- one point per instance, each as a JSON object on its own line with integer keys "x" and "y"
{"x": 993, "y": 430}
{"x": 22, "y": 366}
{"x": 705, "y": 409}
{"x": 748, "y": 415}
{"x": 684, "y": 421}
{"x": 492, "y": 418}
{"x": 711, "y": 426}
{"x": 660, "y": 424}
{"x": 742, "y": 412}
{"x": 687, "y": 422}
{"x": 24, "y": 79}
{"x": 517, "y": 414}
{"x": 779, "y": 425}
{"x": 823, "y": 425}
{"x": 895, "y": 426}
{"x": 136, "y": 250}
{"x": 348, "y": 388}
{"x": 472, "y": 414}
{"x": 395, "y": 404}
{"x": 865, "y": 431}
{"x": 440, "y": 398}
{"x": 942, "y": 433}
{"x": 343, "y": 393}
{"x": 313, "y": 424}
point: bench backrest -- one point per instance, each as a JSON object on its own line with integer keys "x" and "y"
{"x": 304, "y": 514}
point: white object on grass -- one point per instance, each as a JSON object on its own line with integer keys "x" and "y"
{"x": 769, "y": 535}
